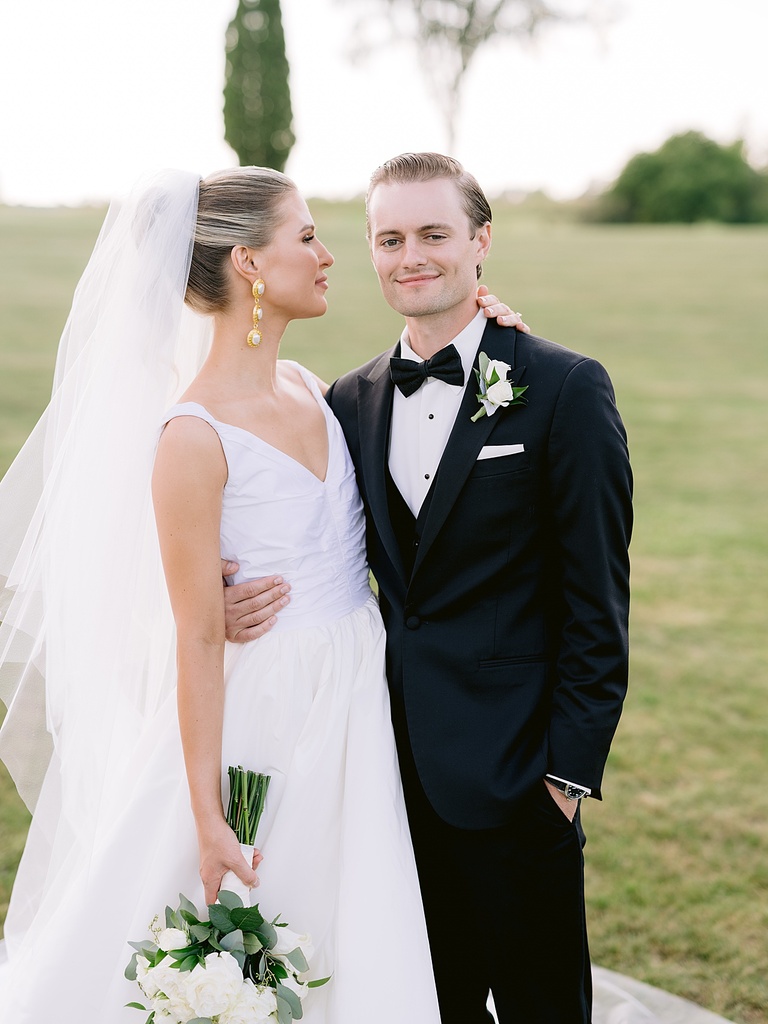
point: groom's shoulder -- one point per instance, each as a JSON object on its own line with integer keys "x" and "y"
{"x": 549, "y": 359}
{"x": 347, "y": 384}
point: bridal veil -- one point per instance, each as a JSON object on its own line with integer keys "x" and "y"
{"x": 87, "y": 641}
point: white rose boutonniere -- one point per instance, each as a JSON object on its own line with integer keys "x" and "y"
{"x": 496, "y": 390}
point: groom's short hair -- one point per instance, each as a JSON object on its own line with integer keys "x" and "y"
{"x": 417, "y": 167}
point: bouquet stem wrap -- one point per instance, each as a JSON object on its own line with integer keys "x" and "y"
{"x": 232, "y": 883}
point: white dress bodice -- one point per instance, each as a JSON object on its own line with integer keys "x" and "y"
{"x": 278, "y": 517}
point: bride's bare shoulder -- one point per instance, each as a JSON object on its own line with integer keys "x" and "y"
{"x": 190, "y": 444}
{"x": 293, "y": 372}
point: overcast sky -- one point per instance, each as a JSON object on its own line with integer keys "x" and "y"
{"x": 95, "y": 92}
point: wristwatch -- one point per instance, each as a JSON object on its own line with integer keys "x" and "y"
{"x": 569, "y": 790}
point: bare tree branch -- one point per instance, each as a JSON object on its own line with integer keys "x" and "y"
{"x": 449, "y": 33}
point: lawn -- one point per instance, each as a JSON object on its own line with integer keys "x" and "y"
{"x": 677, "y": 858}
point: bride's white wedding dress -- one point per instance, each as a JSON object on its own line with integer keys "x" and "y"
{"x": 308, "y": 704}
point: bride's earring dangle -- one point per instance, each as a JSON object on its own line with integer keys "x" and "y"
{"x": 254, "y": 338}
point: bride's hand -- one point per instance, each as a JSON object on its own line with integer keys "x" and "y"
{"x": 220, "y": 852}
{"x": 493, "y": 307}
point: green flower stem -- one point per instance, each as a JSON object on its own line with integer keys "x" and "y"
{"x": 247, "y": 794}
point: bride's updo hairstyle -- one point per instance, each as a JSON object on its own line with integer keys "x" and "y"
{"x": 236, "y": 207}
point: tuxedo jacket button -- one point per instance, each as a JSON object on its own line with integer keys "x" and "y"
{"x": 413, "y": 622}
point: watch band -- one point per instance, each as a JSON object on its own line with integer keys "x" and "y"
{"x": 569, "y": 789}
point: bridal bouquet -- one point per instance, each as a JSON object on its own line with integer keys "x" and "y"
{"x": 236, "y": 967}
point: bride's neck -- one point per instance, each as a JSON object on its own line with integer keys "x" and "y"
{"x": 233, "y": 363}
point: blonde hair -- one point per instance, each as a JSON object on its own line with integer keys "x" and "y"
{"x": 241, "y": 206}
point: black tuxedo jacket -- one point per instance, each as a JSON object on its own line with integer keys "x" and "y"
{"x": 507, "y": 625}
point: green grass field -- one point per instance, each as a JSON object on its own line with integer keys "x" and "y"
{"x": 678, "y": 853}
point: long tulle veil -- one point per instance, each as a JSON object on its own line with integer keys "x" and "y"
{"x": 86, "y": 641}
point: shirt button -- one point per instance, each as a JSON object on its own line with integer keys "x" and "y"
{"x": 426, "y": 476}
{"x": 431, "y": 416}
{"x": 413, "y": 622}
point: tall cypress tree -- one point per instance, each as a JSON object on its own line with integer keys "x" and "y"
{"x": 257, "y": 97}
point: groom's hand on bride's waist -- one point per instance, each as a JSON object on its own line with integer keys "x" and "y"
{"x": 250, "y": 608}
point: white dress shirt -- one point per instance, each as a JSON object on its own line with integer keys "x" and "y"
{"x": 422, "y": 423}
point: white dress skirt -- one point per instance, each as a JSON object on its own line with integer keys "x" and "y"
{"x": 306, "y": 704}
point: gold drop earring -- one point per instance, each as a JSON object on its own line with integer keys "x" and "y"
{"x": 254, "y": 338}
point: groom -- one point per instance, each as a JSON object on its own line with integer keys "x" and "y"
{"x": 499, "y": 544}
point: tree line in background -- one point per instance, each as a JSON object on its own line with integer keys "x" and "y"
{"x": 689, "y": 178}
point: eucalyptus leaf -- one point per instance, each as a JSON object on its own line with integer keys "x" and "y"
{"x": 188, "y": 906}
{"x": 298, "y": 960}
{"x": 146, "y": 948}
{"x": 284, "y": 1014}
{"x": 130, "y": 970}
{"x": 318, "y": 982}
{"x": 266, "y": 933}
{"x": 240, "y": 956}
{"x": 137, "y": 1006}
{"x": 201, "y": 932}
{"x": 230, "y": 900}
{"x": 291, "y": 998}
{"x": 252, "y": 943}
{"x": 234, "y": 940}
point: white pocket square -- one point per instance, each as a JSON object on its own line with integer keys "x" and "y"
{"x": 495, "y": 451}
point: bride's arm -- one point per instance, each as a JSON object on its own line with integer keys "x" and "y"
{"x": 190, "y": 473}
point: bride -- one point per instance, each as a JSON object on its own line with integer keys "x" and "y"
{"x": 168, "y": 391}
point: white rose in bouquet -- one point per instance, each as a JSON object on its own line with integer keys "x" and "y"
{"x": 172, "y": 1002}
{"x": 254, "y": 1005}
{"x": 288, "y": 940}
{"x": 155, "y": 980}
{"x": 212, "y": 989}
{"x": 172, "y": 938}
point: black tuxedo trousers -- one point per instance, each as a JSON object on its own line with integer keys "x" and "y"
{"x": 506, "y": 604}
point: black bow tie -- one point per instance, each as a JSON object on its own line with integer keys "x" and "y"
{"x": 409, "y": 375}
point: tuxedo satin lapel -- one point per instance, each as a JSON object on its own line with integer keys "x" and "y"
{"x": 375, "y": 415}
{"x": 467, "y": 438}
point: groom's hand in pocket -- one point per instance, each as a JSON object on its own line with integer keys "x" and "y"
{"x": 568, "y": 807}
{"x": 251, "y": 608}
